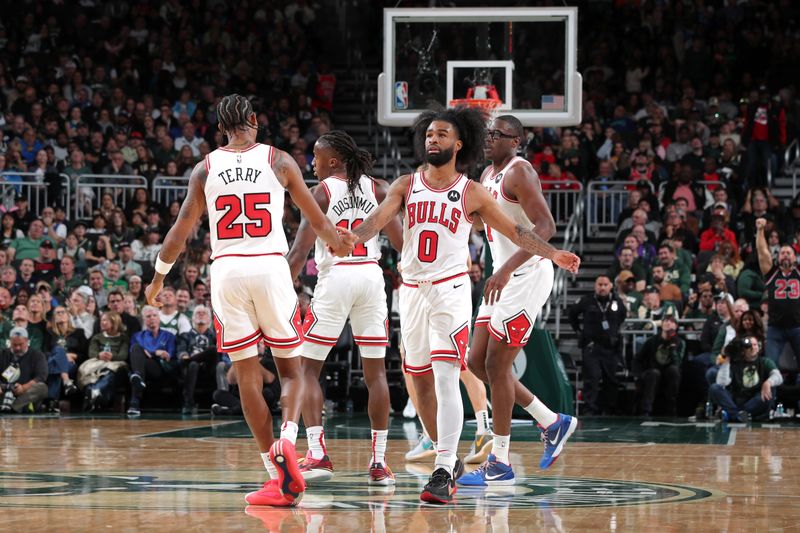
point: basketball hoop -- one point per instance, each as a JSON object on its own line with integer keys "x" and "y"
{"x": 489, "y": 104}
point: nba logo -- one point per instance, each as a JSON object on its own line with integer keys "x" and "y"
{"x": 401, "y": 95}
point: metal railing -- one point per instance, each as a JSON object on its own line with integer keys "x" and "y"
{"x": 791, "y": 158}
{"x": 167, "y": 189}
{"x": 29, "y": 186}
{"x": 563, "y": 197}
{"x": 573, "y": 235}
{"x": 605, "y": 200}
{"x": 90, "y": 188}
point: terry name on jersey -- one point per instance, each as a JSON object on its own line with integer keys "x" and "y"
{"x": 229, "y": 175}
{"x": 434, "y": 212}
{"x": 350, "y": 202}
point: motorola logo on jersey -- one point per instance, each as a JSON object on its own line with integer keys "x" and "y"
{"x": 454, "y": 196}
{"x": 434, "y": 212}
{"x": 498, "y": 177}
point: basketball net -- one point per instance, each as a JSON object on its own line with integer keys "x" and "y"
{"x": 490, "y": 105}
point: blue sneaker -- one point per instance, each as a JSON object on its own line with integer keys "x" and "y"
{"x": 492, "y": 472}
{"x": 554, "y": 438}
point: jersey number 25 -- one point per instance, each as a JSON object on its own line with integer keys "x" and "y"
{"x": 260, "y": 219}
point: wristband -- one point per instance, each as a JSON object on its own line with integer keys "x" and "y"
{"x": 162, "y": 267}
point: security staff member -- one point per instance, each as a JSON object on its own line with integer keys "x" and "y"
{"x": 597, "y": 318}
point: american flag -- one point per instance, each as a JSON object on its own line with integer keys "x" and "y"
{"x": 552, "y": 102}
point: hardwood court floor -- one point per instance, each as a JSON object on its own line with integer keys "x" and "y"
{"x": 171, "y": 474}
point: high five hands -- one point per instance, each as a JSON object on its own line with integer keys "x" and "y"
{"x": 348, "y": 242}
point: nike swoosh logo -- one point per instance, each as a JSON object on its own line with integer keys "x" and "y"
{"x": 492, "y": 478}
{"x": 553, "y": 441}
{"x": 415, "y": 192}
{"x": 518, "y": 274}
{"x": 457, "y": 286}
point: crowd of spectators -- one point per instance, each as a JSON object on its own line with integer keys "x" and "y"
{"x": 131, "y": 89}
{"x": 691, "y": 107}
{"x": 688, "y": 104}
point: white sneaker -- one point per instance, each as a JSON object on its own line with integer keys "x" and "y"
{"x": 409, "y": 411}
{"x": 423, "y": 450}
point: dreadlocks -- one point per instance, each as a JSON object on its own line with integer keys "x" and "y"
{"x": 232, "y": 113}
{"x": 357, "y": 161}
{"x": 470, "y": 124}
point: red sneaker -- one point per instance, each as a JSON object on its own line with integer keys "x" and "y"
{"x": 380, "y": 474}
{"x": 290, "y": 480}
{"x": 316, "y": 469}
{"x": 268, "y": 494}
{"x": 280, "y": 519}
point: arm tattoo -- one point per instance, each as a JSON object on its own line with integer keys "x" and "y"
{"x": 367, "y": 229}
{"x": 532, "y": 243}
{"x": 279, "y": 166}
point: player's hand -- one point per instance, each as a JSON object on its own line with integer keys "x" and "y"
{"x": 347, "y": 243}
{"x": 152, "y": 291}
{"x": 567, "y": 260}
{"x": 761, "y": 223}
{"x": 495, "y": 285}
{"x": 766, "y": 391}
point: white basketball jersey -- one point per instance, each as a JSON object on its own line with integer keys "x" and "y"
{"x": 348, "y": 211}
{"x": 245, "y": 203}
{"x": 502, "y": 247}
{"x": 436, "y": 230}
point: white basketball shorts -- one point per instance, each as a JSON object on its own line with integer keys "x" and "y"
{"x": 511, "y": 318}
{"x": 253, "y": 299}
{"x": 356, "y": 290}
{"x": 434, "y": 322}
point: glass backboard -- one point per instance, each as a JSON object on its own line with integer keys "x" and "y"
{"x": 524, "y": 57}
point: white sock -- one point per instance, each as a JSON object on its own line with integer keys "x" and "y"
{"x": 289, "y": 431}
{"x": 316, "y": 441}
{"x": 449, "y": 415}
{"x": 482, "y": 417}
{"x": 500, "y": 446}
{"x": 379, "y": 445}
{"x": 539, "y": 411}
{"x": 272, "y": 472}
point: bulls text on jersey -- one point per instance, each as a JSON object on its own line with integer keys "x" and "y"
{"x": 434, "y": 212}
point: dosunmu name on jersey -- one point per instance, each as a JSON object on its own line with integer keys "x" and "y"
{"x": 352, "y": 202}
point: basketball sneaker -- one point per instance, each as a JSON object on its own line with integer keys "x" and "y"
{"x": 480, "y": 450}
{"x": 277, "y": 520}
{"x": 440, "y": 487}
{"x": 316, "y": 469}
{"x": 423, "y": 450}
{"x": 458, "y": 469}
{"x": 492, "y": 472}
{"x": 268, "y": 494}
{"x": 554, "y": 437}
{"x": 380, "y": 474}
{"x": 290, "y": 480}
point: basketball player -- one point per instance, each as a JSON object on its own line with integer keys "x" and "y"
{"x": 242, "y": 185}
{"x": 435, "y": 306}
{"x": 513, "y": 296}
{"x": 347, "y": 286}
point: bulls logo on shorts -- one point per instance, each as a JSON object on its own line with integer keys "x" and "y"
{"x": 454, "y": 196}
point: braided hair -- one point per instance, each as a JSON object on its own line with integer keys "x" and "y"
{"x": 232, "y": 114}
{"x": 471, "y": 126}
{"x": 357, "y": 161}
